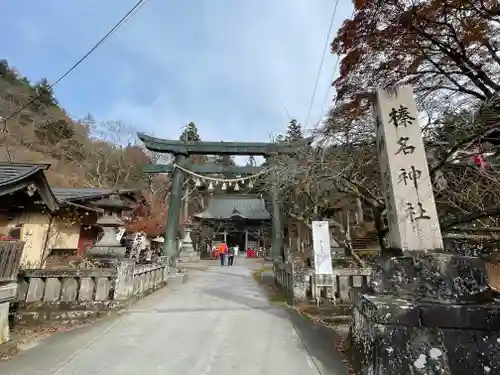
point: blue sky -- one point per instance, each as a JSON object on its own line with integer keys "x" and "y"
{"x": 234, "y": 67}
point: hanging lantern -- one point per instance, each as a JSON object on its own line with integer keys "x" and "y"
{"x": 197, "y": 182}
{"x": 236, "y": 186}
{"x": 224, "y": 186}
{"x": 210, "y": 186}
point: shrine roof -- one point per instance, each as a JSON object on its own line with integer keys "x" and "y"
{"x": 229, "y": 206}
{"x": 78, "y": 194}
{"x": 14, "y": 172}
{"x": 15, "y": 177}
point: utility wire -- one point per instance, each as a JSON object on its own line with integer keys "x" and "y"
{"x": 373, "y": 25}
{"x": 119, "y": 24}
{"x": 329, "y": 88}
{"x": 321, "y": 62}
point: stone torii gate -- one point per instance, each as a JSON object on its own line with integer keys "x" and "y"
{"x": 182, "y": 150}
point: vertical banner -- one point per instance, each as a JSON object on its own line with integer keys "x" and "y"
{"x": 321, "y": 247}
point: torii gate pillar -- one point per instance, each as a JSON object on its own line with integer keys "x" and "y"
{"x": 170, "y": 247}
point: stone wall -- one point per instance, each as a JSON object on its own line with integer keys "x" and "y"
{"x": 430, "y": 313}
{"x": 45, "y": 295}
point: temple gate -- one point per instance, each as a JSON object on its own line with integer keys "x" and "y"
{"x": 182, "y": 150}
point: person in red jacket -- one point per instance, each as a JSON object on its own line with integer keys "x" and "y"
{"x": 222, "y": 253}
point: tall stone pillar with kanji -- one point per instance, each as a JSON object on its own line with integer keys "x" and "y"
{"x": 426, "y": 310}
{"x": 409, "y": 198}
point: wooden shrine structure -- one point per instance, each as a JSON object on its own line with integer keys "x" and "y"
{"x": 182, "y": 150}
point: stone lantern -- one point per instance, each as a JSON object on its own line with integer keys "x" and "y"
{"x": 187, "y": 251}
{"x": 108, "y": 248}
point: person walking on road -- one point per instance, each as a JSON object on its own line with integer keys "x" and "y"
{"x": 222, "y": 253}
{"x": 230, "y": 258}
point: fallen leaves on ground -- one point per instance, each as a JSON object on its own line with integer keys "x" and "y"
{"x": 24, "y": 335}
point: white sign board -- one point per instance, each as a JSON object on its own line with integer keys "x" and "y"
{"x": 321, "y": 247}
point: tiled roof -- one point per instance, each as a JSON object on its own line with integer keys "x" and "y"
{"x": 16, "y": 176}
{"x": 13, "y": 176}
{"x": 227, "y": 206}
{"x": 75, "y": 194}
{"x": 15, "y": 172}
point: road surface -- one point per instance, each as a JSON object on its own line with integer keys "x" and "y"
{"x": 219, "y": 323}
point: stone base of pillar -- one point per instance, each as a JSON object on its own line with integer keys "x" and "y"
{"x": 106, "y": 252}
{"x": 188, "y": 256}
{"x": 426, "y": 314}
{"x": 7, "y": 295}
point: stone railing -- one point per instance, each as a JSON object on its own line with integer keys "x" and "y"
{"x": 48, "y": 294}
{"x": 292, "y": 279}
{"x": 148, "y": 277}
{"x": 283, "y": 275}
{"x": 341, "y": 285}
{"x": 10, "y": 260}
{"x": 302, "y": 284}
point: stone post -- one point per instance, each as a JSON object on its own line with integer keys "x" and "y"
{"x": 170, "y": 247}
{"x": 7, "y": 295}
{"x": 409, "y": 197}
{"x": 124, "y": 286}
{"x": 425, "y": 311}
{"x": 277, "y": 227}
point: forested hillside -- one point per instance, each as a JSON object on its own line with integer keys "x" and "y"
{"x": 82, "y": 153}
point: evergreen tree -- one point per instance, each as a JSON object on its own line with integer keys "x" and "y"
{"x": 190, "y": 133}
{"x": 251, "y": 161}
{"x": 225, "y": 160}
{"x": 88, "y": 120}
{"x": 294, "y": 132}
{"x": 25, "y": 81}
{"x": 45, "y": 92}
{"x": 4, "y": 67}
{"x": 6, "y": 72}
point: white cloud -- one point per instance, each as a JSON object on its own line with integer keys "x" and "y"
{"x": 229, "y": 66}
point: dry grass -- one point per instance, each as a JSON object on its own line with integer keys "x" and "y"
{"x": 273, "y": 293}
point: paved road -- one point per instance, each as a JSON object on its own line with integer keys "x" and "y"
{"x": 219, "y": 323}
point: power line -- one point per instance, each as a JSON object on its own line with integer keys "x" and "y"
{"x": 373, "y": 25}
{"x": 321, "y": 62}
{"x": 334, "y": 71}
{"x": 119, "y": 24}
{"x": 327, "y": 91}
